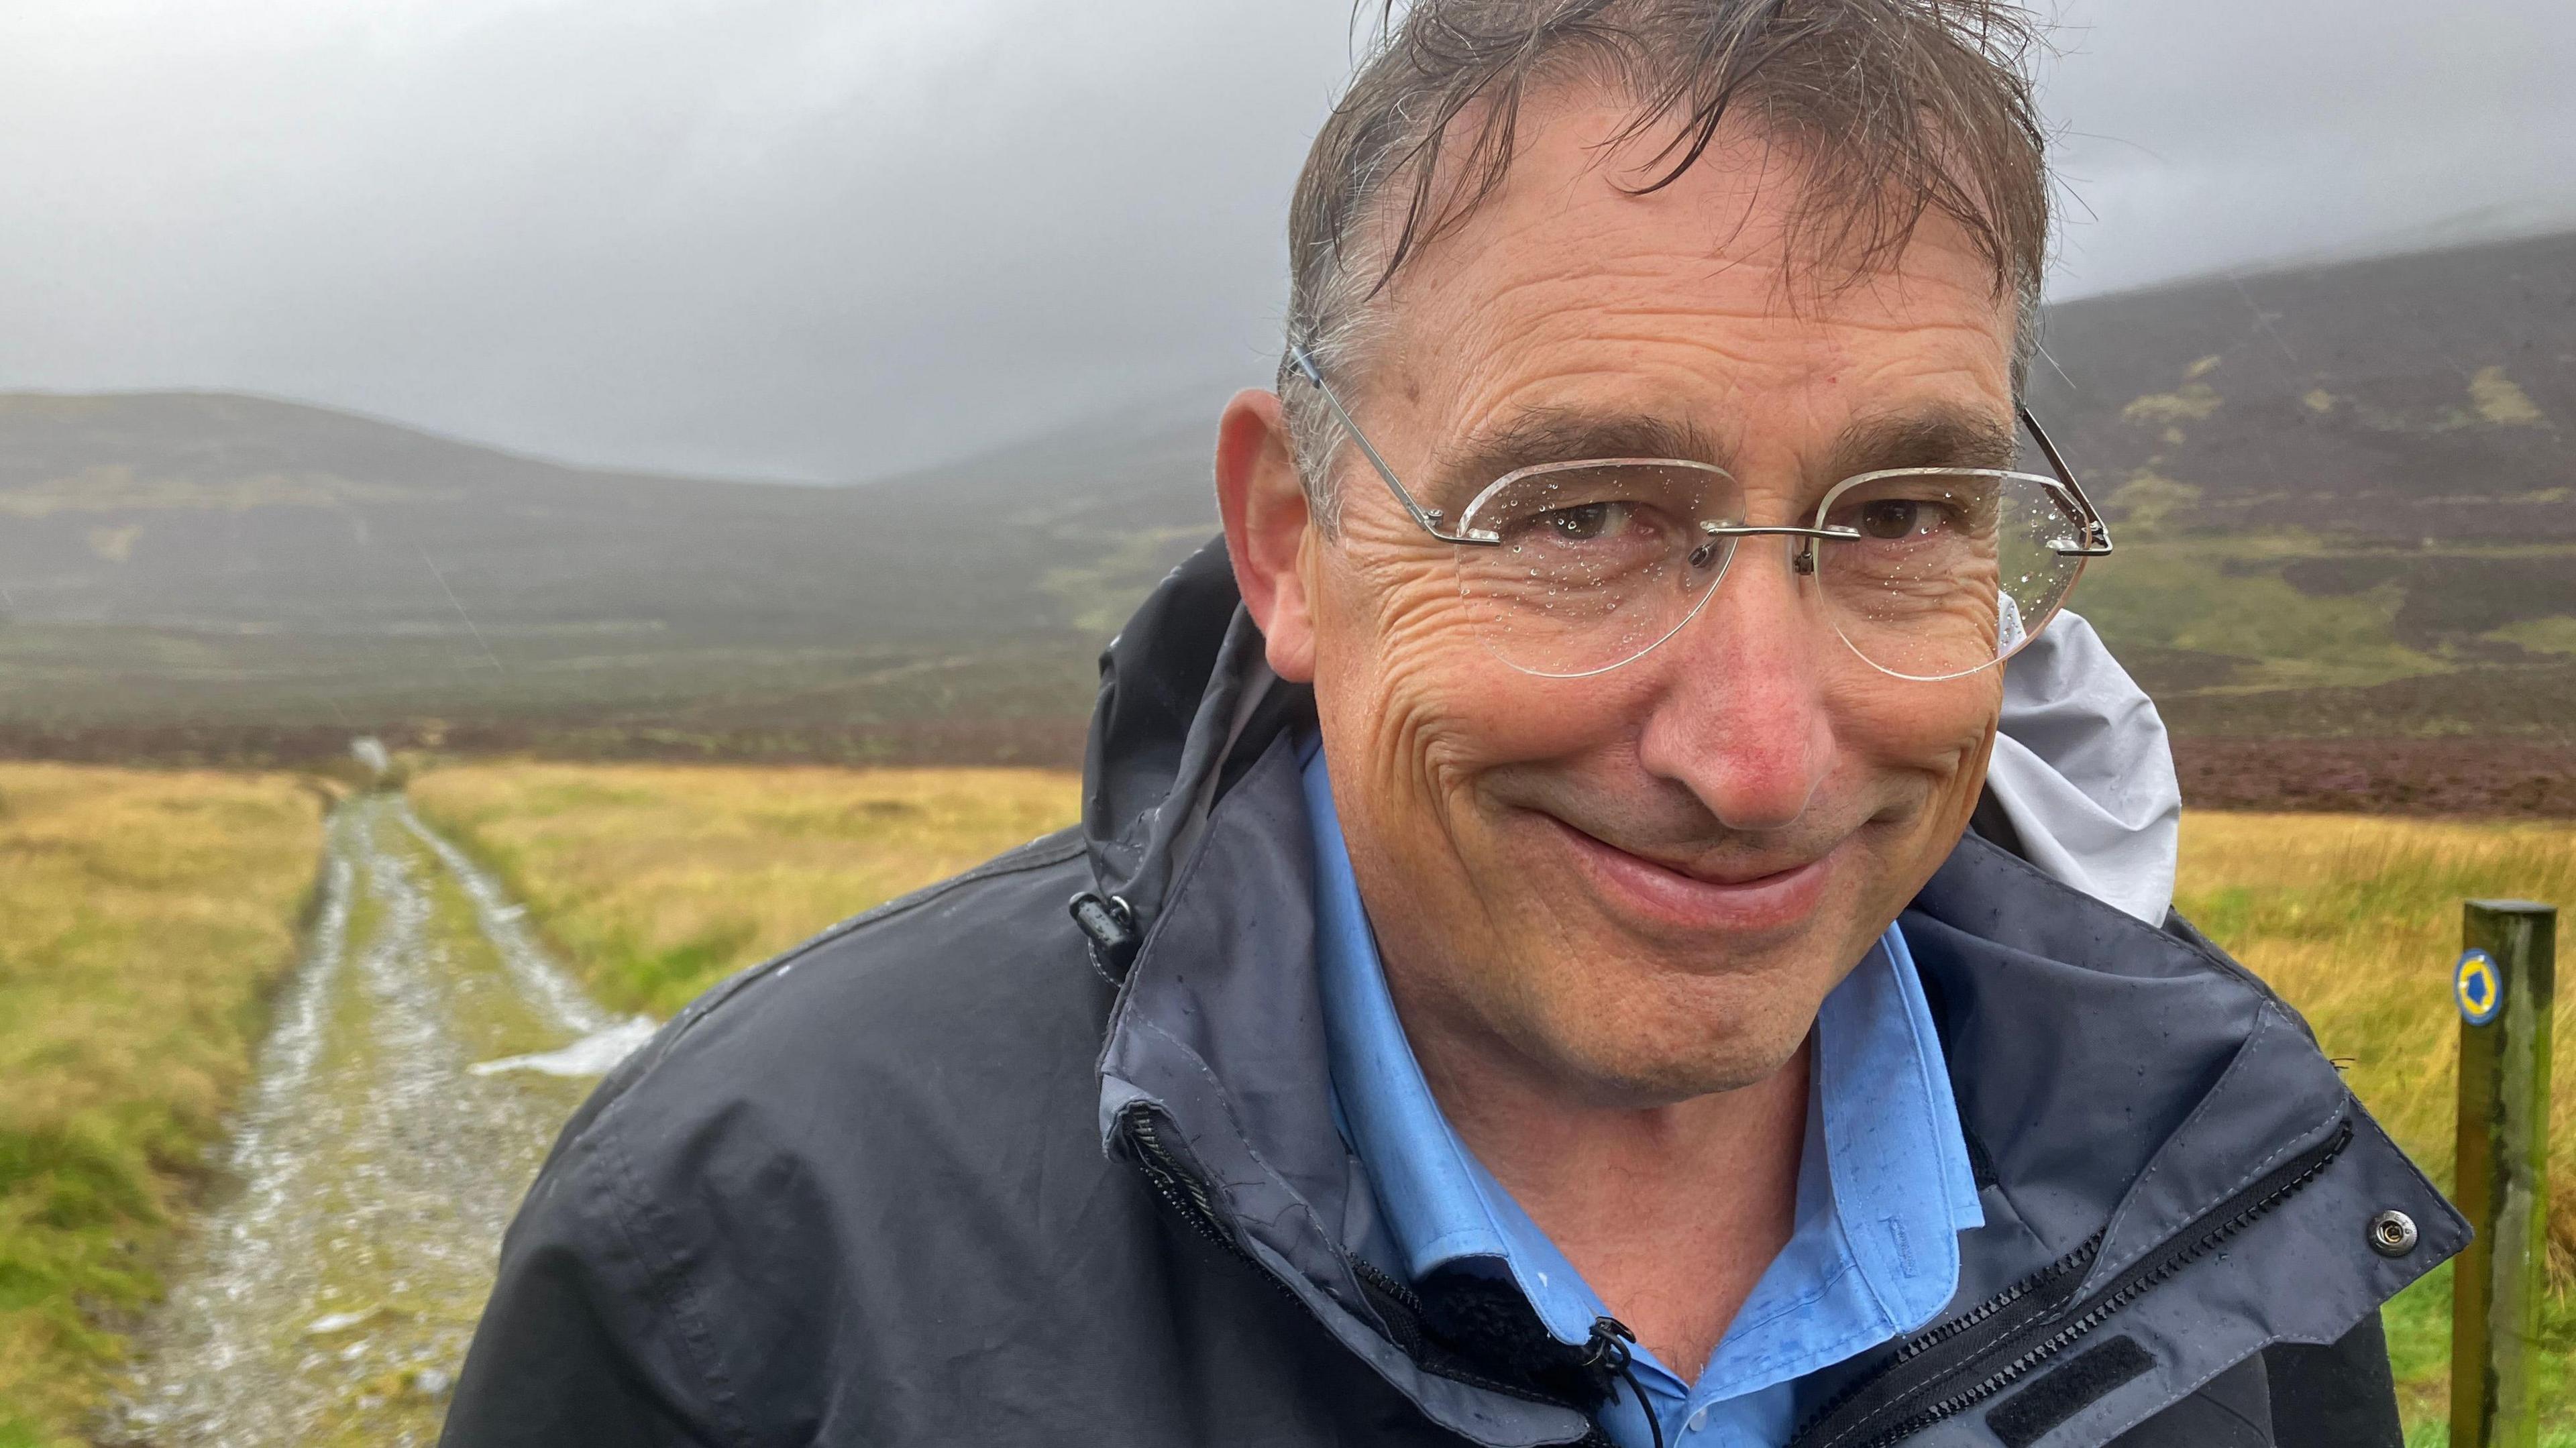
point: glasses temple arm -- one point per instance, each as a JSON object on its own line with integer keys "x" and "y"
{"x": 1429, "y": 518}
{"x": 2097, "y": 534}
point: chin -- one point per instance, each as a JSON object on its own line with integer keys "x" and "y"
{"x": 1665, "y": 1034}
{"x": 1634, "y": 1080}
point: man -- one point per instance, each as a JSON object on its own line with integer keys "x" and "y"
{"x": 1530, "y": 978}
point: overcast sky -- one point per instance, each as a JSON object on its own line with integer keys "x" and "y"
{"x": 832, "y": 238}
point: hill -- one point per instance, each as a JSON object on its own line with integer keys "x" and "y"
{"x": 2345, "y": 502}
{"x": 225, "y": 574}
{"x": 2344, "y": 494}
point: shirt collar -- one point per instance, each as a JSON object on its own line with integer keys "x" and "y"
{"x": 1885, "y": 1186}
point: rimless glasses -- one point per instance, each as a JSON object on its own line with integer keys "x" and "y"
{"x": 1575, "y": 568}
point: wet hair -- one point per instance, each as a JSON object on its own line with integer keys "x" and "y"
{"x": 1891, "y": 108}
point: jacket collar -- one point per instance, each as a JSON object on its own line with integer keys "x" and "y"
{"x": 2126, "y": 1087}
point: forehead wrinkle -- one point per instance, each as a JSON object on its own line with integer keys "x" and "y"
{"x": 1533, "y": 261}
{"x": 1524, "y": 280}
{"x": 1518, "y": 327}
{"x": 1592, "y": 289}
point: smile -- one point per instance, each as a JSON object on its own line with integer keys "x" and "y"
{"x": 1661, "y": 896}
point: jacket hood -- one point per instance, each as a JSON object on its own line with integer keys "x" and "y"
{"x": 2085, "y": 774}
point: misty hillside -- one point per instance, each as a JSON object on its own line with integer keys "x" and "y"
{"x": 230, "y": 562}
{"x": 213, "y": 512}
{"x": 2345, "y": 500}
{"x": 2345, "y": 495}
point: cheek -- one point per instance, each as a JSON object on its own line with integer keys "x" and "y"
{"x": 1382, "y": 672}
{"x": 1413, "y": 697}
{"x": 1931, "y": 736}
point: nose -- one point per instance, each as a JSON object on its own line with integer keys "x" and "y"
{"x": 1740, "y": 718}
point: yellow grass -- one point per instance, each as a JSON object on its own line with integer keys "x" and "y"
{"x": 2357, "y": 922}
{"x": 658, "y": 880}
{"x": 143, "y": 917}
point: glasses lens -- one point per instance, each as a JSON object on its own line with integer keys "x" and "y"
{"x": 1598, "y": 562}
{"x": 1952, "y": 571}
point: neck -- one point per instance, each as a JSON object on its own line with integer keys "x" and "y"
{"x": 1671, "y": 1212}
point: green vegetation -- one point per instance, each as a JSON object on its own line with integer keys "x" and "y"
{"x": 1098, "y": 592}
{"x": 2357, "y": 922}
{"x": 143, "y": 919}
{"x": 657, "y": 880}
{"x": 2553, "y": 635}
{"x": 2289, "y": 634}
{"x": 2228, "y": 601}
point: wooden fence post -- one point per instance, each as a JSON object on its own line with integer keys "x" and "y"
{"x": 2505, "y": 984}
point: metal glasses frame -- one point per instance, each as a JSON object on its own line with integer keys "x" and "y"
{"x": 2094, "y": 542}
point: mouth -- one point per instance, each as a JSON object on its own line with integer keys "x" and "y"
{"x": 1759, "y": 898}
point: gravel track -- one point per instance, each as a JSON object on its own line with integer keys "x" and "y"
{"x": 329, "y": 1296}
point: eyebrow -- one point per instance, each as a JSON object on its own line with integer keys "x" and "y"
{"x": 1535, "y": 436}
{"x": 1940, "y": 435}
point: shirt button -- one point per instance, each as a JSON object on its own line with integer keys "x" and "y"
{"x": 1698, "y": 1420}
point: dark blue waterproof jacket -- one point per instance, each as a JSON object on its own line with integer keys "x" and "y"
{"x": 966, "y": 1171}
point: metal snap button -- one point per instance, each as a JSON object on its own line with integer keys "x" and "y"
{"x": 2392, "y": 1234}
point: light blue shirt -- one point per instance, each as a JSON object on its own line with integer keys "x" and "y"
{"x": 1884, "y": 1185}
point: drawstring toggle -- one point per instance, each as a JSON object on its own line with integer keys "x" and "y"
{"x": 1109, "y": 923}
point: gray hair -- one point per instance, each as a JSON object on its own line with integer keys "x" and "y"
{"x": 1895, "y": 107}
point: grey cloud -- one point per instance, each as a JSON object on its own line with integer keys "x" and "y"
{"x": 827, "y": 240}
{"x": 2195, "y": 135}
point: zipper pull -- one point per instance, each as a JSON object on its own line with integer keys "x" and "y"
{"x": 1612, "y": 1346}
{"x": 1110, "y": 925}
{"x": 1609, "y": 1345}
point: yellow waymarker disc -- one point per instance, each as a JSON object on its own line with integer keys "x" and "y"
{"x": 2477, "y": 987}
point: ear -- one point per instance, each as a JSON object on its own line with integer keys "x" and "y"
{"x": 1268, "y": 531}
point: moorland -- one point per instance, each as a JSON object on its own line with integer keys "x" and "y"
{"x": 2344, "y": 493}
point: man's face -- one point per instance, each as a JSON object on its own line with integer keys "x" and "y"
{"x": 1639, "y": 886}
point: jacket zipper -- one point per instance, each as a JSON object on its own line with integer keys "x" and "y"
{"x": 2024, "y": 1343}
{"x": 1180, "y": 1190}
{"x": 1860, "y": 1417}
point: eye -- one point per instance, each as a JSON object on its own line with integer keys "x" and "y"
{"x": 1589, "y": 522}
{"x": 1892, "y": 518}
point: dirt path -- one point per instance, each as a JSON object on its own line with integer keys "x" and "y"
{"x": 425, "y": 1053}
